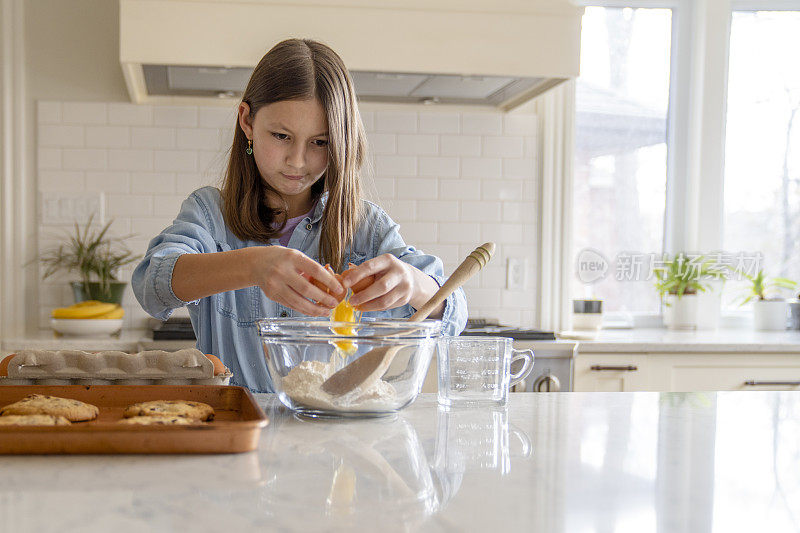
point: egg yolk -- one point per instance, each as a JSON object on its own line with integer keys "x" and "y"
{"x": 344, "y": 312}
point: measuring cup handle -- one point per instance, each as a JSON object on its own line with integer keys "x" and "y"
{"x": 526, "y": 368}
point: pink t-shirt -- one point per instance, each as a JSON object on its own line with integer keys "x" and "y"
{"x": 290, "y": 225}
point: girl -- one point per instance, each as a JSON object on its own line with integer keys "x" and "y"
{"x": 290, "y": 202}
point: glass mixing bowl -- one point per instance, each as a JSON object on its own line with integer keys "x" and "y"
{"x": 301, "y": 353}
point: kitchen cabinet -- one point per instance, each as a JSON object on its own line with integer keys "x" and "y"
{"x": 606, "y": 372}
{"x": 686, "y": 372}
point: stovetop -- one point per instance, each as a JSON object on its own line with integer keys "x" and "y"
{"x": 488, "y": 328}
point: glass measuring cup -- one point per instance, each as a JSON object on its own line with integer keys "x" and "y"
{"x": 477, "y": 370}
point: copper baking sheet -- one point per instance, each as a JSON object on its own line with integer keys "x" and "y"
{"x": 236, "y": 426}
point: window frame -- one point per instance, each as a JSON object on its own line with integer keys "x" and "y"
{"x": 696, "y": 122}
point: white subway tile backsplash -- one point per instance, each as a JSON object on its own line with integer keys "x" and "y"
{"x": 84, "y": 113}
{"x": 451, "y": 179}
{"x": 458, "y": 232}
{"x": 395, "y": 121}
{"x": 395, "y": 165}
{"x": 417, "y": 144}
{"x": 120, "y": 159}
{"x": 480, "y": 211}
{"x": 439, "y": 123}
{"x": 401, "y": 211}
{"x": 368, "y": 119}
{"x": 416, "y": 188}
{"x": 383, "y": 143}
{"x": 83, "y": 159}
{"x": 108, "y": 136}
{"x": 60, "y": 181}
{"x": 460, "y": 189}
{"x": 130, "y": 114}
{"x": 520, "y": 124}
{"x": 460, "y": 145}
{"x": 523, "y": 168}
{"x": 442, "y": 167}
{"x": 502, "y": 146}
{"x": 48, "y": 112}
{"x": 384, "y": 187}
{"x": 502, "y": 190}
{"x": 175, "y": 160}
{"x": 150, "y": 137}
{"x": 48, "y": 159}
{"x": 188, "y": 182}
{"x": 418, "y": 233}
{"x": 437, "y": 210}
{"x": 108, "y": 181}
{"x": 217, "y": 117}
{"x": 505, "y": 233}
{"x": 198, "y": 138}
{"x": 152, "y": 182}
{"x": 129, "y": 205}
{"x": 59, "y": 136}
{"x": 167, "y": 206}
{"x": 482, "y": 123}
{"x": 177, "y": 116}
{"x": 481, "y": 167}
{"x": 150, "y": 226}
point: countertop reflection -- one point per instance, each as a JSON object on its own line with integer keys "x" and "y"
{"x": 554, "y": 462}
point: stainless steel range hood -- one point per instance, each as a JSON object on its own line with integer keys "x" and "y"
{"x": 456, "y": 52}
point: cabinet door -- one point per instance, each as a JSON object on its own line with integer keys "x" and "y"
{"x": 608, "y": 372}
{"x": 729, "y": 372}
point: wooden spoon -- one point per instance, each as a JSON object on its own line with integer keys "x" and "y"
{"x": 368, "y": 369}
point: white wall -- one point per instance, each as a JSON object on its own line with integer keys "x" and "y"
{"x": 451, "y": 178}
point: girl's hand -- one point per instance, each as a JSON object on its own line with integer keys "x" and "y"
{"x": 396, "y": 283}
{"x": 284, "y": 275}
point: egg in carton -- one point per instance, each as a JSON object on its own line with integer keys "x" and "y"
{"x": 76, "y": 367}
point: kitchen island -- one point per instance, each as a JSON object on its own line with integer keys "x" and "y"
{"x": 696, "y": 462}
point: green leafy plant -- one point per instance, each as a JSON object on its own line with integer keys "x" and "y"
{"x": 683, "y": 274}
{"x": 91, "y": 253}
{"x": 761, "y": 285}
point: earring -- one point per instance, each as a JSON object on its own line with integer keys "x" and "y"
{"x": 249, "y": 147}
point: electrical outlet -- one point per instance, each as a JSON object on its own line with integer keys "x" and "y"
{"x": 515, "y": 273}
{"x": 64, "y": 208}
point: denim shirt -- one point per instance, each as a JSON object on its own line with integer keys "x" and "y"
{"x": 224, "y": 323}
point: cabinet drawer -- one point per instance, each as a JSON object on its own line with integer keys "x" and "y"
{"x": 611, "y": 373}
{"x": 689, "y": 377}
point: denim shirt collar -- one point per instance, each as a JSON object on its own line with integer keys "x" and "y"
{"x": 316, "y": 216}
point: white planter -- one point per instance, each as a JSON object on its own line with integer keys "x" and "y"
{"x": 681, "y": 313}
{"x": 770, "y": 314}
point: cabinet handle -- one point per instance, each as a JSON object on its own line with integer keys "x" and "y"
{"x": 628, "y": 368}
{"x": 754, "y": 383}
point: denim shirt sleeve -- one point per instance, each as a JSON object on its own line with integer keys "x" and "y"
{"x": 191, "y": 232}
{"x": 387, "y": 239}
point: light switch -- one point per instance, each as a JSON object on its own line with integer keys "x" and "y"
{"x": 515, "y": 273}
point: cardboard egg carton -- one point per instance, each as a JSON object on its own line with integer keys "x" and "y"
{"x": 76, "y": 367}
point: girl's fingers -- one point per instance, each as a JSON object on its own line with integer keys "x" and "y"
{"x": 306, "y": 265}
{"x": 296, "y": 301}
{"x": 390, "y": 300}
{"x": 309, "y": 290}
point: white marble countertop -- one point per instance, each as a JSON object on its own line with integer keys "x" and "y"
{"x": 705, "y": 341}
{"x": 556, "y": 462}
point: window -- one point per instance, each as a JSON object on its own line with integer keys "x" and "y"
{"x": 621, "y": 148}
{"x": 762, "y": 152}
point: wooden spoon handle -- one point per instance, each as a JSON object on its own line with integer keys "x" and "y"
{"x": 468, "y": 268}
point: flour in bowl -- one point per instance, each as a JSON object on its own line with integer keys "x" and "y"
{"x": 303, "y": 384}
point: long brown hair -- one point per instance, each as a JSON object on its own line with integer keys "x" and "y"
{"x": 299, "y": 69}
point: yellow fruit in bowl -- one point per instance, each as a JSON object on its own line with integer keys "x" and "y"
{"x": 90, "y": 309}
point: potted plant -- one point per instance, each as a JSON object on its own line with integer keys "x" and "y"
{"x": 96, "y": 257}
{"x": 769, "y": 312}
{"x": 678, "y": 281}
